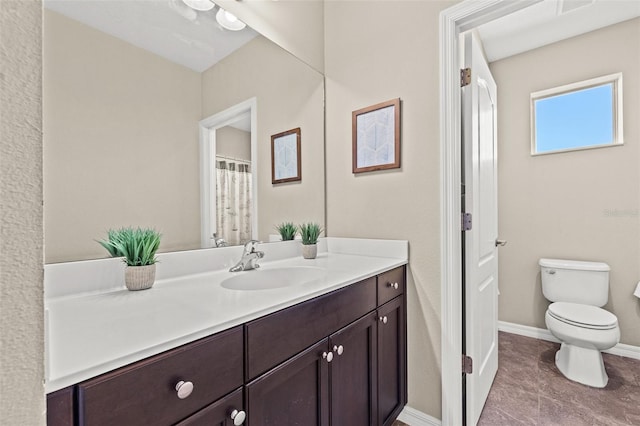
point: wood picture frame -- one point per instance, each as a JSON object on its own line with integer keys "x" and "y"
{"x": 285, "y": 156}
{"x": 376, "y": 137}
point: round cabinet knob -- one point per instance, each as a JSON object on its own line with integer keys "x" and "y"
{"x": 338, "y": 349}
{"x": 393, "y": 285}
{"x": 184, "y": 389}
{"x": 238, "y": 417}
{"x": 328, "y": 356}
{"x": 384, "y": 319}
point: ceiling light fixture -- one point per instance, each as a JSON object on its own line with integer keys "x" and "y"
{"x": 201, "y": 5}
{"x": 229, "y": 21}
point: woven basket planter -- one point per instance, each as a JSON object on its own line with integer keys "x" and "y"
{"x": 139, "y": 277}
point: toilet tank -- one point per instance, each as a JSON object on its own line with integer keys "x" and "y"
{"x": 575, "y": 281}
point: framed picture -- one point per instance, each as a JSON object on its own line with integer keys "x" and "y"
{"x": 376, "y": 137}
{"x": 285, "y": 156}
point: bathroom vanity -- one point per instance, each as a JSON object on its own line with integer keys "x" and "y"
{"x": 331, "y": 351}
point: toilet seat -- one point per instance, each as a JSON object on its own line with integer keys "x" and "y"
{"x": 584, "y": 316}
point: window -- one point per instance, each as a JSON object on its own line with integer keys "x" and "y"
{"x": 582, "y": 115}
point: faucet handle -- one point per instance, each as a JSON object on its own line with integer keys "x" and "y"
{"x": 250, "y": 245}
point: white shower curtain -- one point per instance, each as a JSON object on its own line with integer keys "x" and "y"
{"x": 233, "y": 200}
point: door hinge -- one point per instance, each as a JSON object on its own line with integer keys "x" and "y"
{"x": 467, "y": 364}
{"x": 466, "y": 222}
{"x": 465, "y": 77}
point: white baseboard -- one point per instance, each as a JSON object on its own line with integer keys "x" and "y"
{"x": 621, "y": 349}
{"x": 413, "y": 417}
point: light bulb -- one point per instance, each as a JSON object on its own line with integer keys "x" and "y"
{"x": 229, "y": 21}
{"x": 201, "y": 5}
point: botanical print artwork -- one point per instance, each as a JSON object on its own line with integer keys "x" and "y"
{"x": 376, "y": 137}
{"x": 286, "y": 157}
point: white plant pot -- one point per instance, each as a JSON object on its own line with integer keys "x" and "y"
{"x": 309, "y": 251}
{"x": 139, "y": 277}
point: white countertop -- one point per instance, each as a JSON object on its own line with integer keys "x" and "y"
{"x": 90, "y": 334}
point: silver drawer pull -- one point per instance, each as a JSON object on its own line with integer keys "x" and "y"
{"x": 328, "y": 356}
{"x": 338, "y": 349}
{"x": 238, "y": 417}
{"x": 393, "y": 285}
{"x": 184, "y": 389}
{"x": 384, "y": 319}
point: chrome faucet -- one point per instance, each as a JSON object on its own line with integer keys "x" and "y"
{"x": 219, "y": 242}
{"x": 249, "y": 258}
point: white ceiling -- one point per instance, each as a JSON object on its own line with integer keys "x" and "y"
{"x": 167, "y": 28}
{"x": 194, "y": 39}
{"x": 550, "y": 21}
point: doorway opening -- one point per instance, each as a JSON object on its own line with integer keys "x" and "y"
{"x": 453, "y": 22}
{"x": 228, "y": 184}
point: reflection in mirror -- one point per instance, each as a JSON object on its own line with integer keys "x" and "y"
{"x": 227, "y": 184}
{"x": 121, "y": 133}
{"x": 233, "y": 185}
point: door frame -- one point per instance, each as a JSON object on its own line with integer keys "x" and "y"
{"x": 208, "y": 127}
{"x": 453, "y": 21}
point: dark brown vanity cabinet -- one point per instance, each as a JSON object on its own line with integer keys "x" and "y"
{"x": 354, "y": 376}
{"x": 336, "y": 360}
{"x": 331, "y": 383}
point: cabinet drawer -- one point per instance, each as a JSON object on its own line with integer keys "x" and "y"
{"x": 387, "y": 283}
{"x": 144, "y": 392}
{"x": 277, "y": 337}
{"x": 218, "y": 413}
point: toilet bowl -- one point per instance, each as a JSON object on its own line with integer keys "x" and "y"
{"x": 583, "y": 331}
{"x": 578, "y": 290}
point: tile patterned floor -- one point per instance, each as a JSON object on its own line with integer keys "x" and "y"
{"x": 529, "y": 389}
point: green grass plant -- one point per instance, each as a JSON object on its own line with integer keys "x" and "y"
{"x": 310, "y": 233}
{"x": 287, "y": 230}
{"x": 137, "y": 246}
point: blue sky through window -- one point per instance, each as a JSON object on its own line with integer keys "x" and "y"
{"x": 576, "y": 119}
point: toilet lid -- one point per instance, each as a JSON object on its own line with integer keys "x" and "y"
{"x": 585, "y": 316}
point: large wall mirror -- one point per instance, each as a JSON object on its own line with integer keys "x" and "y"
{"x": 126, "y": 85}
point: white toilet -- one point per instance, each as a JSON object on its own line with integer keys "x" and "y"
{"x": 577, "y": 290}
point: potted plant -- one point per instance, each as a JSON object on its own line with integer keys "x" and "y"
{"x": 138, "y": 248}
{"x": 287, "y": 231}
{"x": 310, "y": 233}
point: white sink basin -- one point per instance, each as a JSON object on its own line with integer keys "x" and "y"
{"x": 264, "y": 279}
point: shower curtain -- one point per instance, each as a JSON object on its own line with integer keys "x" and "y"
{"x": 233, "y": 200}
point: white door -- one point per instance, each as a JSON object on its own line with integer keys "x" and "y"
{"x": 480, "y": 258}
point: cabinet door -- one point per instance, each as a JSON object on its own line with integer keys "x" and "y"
{"x": 353, "y": 374}
{"x": 60, "y": 408}
{"x": 391, "y": 360}
{"x": 294, "y": 393}
{"x": 217, "y": 414}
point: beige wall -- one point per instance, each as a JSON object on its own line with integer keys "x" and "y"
{"x": 21, "y": 239}
{"x": 376, "y": 52}
{"x": 289, "y": 94}
{"x": 564, "y": 205}
{"x": 114, "y": 118}
{"x": 234, "y": 143}
{"x": 295, "y": 25}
